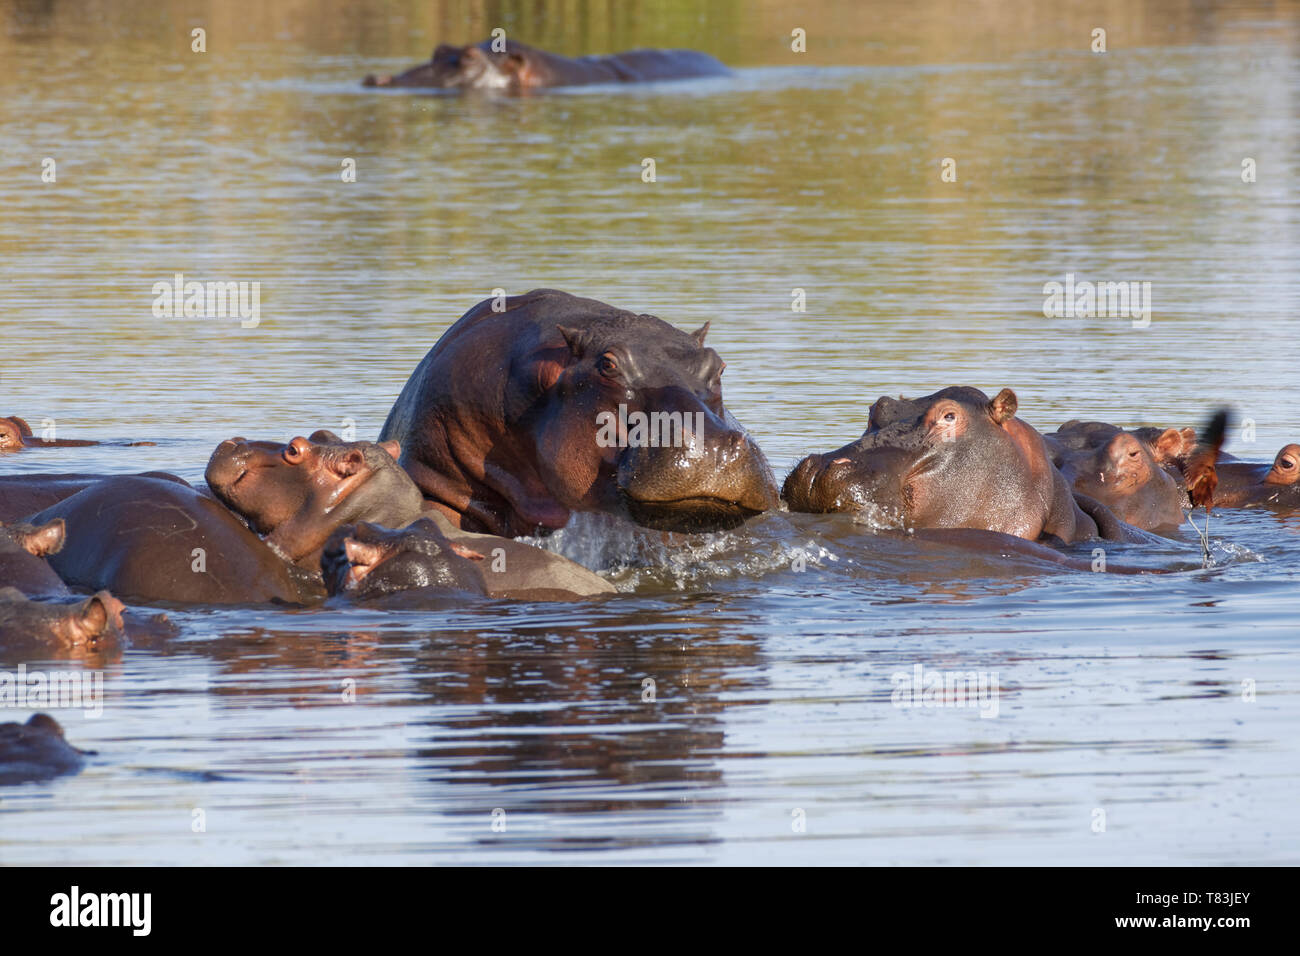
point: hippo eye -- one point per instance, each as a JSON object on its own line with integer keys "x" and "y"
{"x": 607, "y": 365}
{"x": 1287, "y": 463}
{"x": 950, "y": 417}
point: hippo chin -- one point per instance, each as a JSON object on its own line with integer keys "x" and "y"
{"x": 367, "y": 562}
{"x": 520, "y": 416}
{"x": 954, "y": 459}
{"x": 518, "y": 68}
{"x": 36, "y": 751}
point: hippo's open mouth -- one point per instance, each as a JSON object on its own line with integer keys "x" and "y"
{"x": 689, "y": 514}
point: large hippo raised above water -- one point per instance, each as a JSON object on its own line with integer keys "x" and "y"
{"x": 519, "y": 67}
{"x": 517, "y": 418}
{"x": 954, "y": 459}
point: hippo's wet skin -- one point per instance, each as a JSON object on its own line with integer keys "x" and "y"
{"x": 1122, "y": 473}
{"x": 519, "y": 68}
{"x": 36, "y": 751}
{"x": 150, "y": 539}
{"x": 517, "y": 418}
{"x": 366, "y": 562}
{"x": 23, "y": 495}
{"x": 954, "y": 459}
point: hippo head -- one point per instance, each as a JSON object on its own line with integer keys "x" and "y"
{"x": 1286, "y": 467}
{"x": 476, "y": 67}
{"x": 1123, "y": 474}
{"x": 632, "y": 421}
{"x": 954, "y": 459}
{"x": 366, "y": 561}
{"x": 91, "y": 622}
{"x": 297, "y": 494}
{"x": 12, "y": 432}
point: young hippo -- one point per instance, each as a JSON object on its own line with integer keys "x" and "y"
{"x": 296, "y": 495}
{"x": 93, "y": 623}
{"x": 518, "y": 68}
{"x": 367, "y": 562}
{"x": 36, "y": 751}
{"x": 954, "y": 459}
{"x": 1122, "y": 473}
{"x": 16, "y": 434}
{"x": 23, "y": 549}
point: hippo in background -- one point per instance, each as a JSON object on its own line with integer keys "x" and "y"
{"x": 523, "y": 414}
{"x": 16, "y": 434}
{"x": 367, "y": 562}
{"x": 518, "y": 68}
{"x": 953, "y": 459}
{"x": 1125, "y": 473}
{"x": 36, "y": 751}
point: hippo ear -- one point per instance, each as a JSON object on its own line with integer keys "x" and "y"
{"x": 22, "y": 426}
{"x": 513, "y": 63}
{"x": 349, "y": 464}
{"x": 1172, "y": 443}
{"x": 393, "y": 448}
{"x": 47, "y": 539}
{"x": 576, "y": 339}
{"x": 698, "y": 334}
{"x": 93, "y": 615}
{"x": 1003, "y": 406}
{"x": 323, "y": 436}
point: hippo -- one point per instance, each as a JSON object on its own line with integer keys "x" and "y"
{"x": 954, "y": 459}
{"x": 36, "y": 751}
{"x": 151, "y": 539}
{"x": 23, "y": 548}
{"x": 518, "y": 68}
{"x": 297, "y": 494}
{"x": 532, "y": 407}
{"x": 1122, "y": 472}
{"x": 92, "y": 623}
{"x": 367, "y": 562}
{"x": 16, "y": 434}
{"x": 23, "y": 495}
{"x": 1243, "y": 484}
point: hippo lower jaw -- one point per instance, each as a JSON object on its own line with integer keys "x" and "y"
{"x": 699, "y": 514}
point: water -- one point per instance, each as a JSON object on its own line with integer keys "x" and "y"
{"x": 772, "y": 686}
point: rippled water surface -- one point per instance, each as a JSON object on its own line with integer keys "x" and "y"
{"x": 771, "y": 736}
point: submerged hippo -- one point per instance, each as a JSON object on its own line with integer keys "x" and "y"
{"x": 16, "y": 434}
{"x": 954, "y": 459}
{"x": 36, "y": 751}
{"x": 367, "y": 562}
{"x": 92, "y": 623}
{"x": 297, "y": 494}
{"x": 23, "y": 549}
{"x": 518, "y": 68}
{"x": 517, "y": 418}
